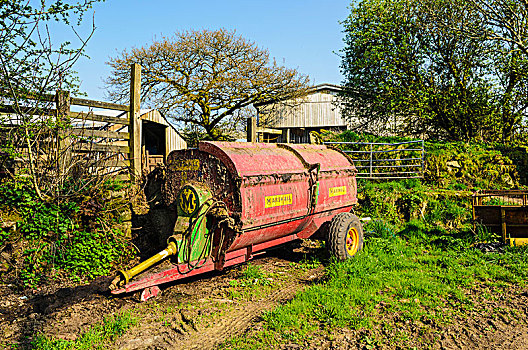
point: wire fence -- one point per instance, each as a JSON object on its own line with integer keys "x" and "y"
{"x": 378, "y": 160}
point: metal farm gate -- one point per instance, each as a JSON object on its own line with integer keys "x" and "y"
{"x": 379, "y": 160}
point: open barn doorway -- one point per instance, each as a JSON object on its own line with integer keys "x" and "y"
{"x": 154, "y": 144}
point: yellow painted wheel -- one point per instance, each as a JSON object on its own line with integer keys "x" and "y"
{"x": 345, "y": 236}
{"x": 352, "y": 241}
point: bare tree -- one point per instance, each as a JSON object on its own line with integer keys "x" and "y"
{"x": 203, "y": 78}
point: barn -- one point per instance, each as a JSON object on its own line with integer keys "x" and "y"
{"x": 317, "y": 111}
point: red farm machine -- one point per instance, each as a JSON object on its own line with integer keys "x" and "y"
{"x": 235, "y": 200}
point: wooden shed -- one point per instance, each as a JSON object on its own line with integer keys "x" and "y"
{"x": 318, "y": 111}
{"x": 158, "y": 136}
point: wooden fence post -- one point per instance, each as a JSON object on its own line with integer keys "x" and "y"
{"x": 286, "y": 135}
{"x": 134, "y": 126}
{"x": 252, "y": 129}
{"x": 64, "y": 154}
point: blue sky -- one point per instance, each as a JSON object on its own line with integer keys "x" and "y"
{"x": 301, "y": 34}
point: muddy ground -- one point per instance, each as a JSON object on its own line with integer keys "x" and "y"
{"x": 205, "y": 311}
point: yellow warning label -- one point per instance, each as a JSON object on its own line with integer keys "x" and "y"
{"x": 278, "y": 200}
{"x": 337, "y": 191}
{"x": 186, "y": 164}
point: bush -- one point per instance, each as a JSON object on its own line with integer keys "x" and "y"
{"x": 64, "y": 236}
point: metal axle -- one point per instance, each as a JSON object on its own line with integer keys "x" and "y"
{"x": 125, "y": 276}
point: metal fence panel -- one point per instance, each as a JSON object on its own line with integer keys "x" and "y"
{"x": 379, "y": 160}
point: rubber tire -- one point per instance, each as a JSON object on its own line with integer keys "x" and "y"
{"x": 337, "y": 235}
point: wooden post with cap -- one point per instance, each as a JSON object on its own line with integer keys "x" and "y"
{"x": 134, "y": 126}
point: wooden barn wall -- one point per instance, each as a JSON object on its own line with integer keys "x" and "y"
{"x": 173, "y": 139}
{"x": 316, "y": 110}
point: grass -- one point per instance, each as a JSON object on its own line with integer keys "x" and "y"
{"x": 97, "y": 337}
{"x": 253, "y": 275}
{"x": 252, "y": 282}
{"x": 393, "y": 281}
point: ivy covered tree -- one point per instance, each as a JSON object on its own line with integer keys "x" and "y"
{"x": 412, "y": 65}
{"x": 206, "y": 78}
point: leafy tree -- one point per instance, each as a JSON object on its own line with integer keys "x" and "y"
{"x": 503, "y": 20}
{"x": 505, "y": 23}
{"x": 203, "y": 78}
{"x": 412, "y": 63}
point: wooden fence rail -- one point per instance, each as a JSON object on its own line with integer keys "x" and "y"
{"x": 113, "y": 150}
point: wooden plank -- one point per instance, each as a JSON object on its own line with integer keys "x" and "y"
{"x": 122, "y": 177}
{"x": 134, "y": 126}
{"x": 251, "y": 129}
{"x": 503, "y": 222}
{"x": 29, "y": 110}
{"x": 270, "y": 131}
{"x": 98, "y": 104}
{"x": 98, "y": 118}
{"x": 101, "y": 133}
{"x": 28, "y": 95}
{"x": 286, "y": 135}
{"x": 95, "y": 147}
{"x": 109, "y": 163}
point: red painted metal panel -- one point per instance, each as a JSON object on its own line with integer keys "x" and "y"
{"x": 329, "y": 159}
{"x": 253, "y": 159}
{"x": 276, "y": 184}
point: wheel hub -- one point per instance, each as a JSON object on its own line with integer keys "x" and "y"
{"x": 352, "y": 241}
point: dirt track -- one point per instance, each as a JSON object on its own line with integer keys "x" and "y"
{"x": 199, "y": 314}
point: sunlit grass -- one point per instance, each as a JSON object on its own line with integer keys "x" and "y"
{"x": 410, "y": 280}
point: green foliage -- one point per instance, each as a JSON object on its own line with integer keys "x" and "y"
{"x": 251, "y": 275}
{"x": 456, "y": 165}
{"x": 92, "y": 254}
{"x": 252, "y": 272}
{"x": 379, "y": 229}
{"x": 4, "y": 235}
{"x": 71, "y": 236}
{"x": 473, "y": 165}
{"x": 410, "y": 67}
{"x": 483, "y": 234}
{"x": 98, "y": 337}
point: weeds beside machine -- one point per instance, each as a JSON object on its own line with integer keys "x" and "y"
{"x": 235, "y": 200}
